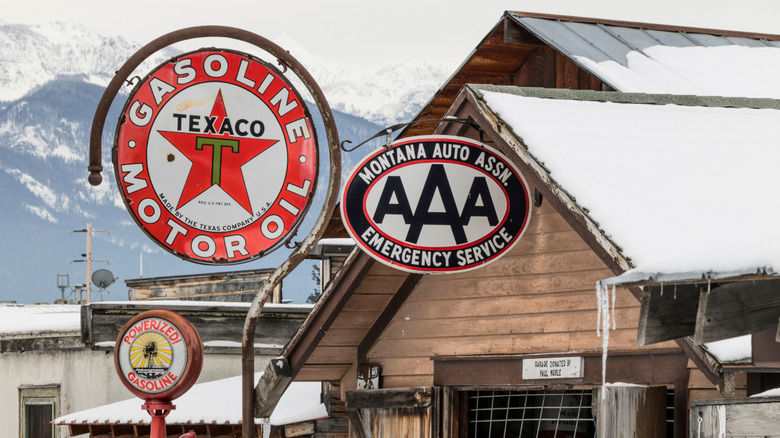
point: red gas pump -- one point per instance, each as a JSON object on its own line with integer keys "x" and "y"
{"x": 158, "y": 356}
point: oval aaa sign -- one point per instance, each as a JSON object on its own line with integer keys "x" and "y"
{"x": 215, "y": 157}
{"x": 436, "y": 204}
{"x": 158, "y": 355}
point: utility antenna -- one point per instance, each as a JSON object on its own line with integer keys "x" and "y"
{"x": 88, "y": 258}
{"x": 103, "y": 278}
{"x": 63, "y": 282}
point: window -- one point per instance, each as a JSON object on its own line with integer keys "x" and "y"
{"x": 543, "y": 414}
{"x": 38, "y": 406}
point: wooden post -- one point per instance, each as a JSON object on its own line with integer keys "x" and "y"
{"x": 632, "y": 412}
{"x": 89, "y": 262}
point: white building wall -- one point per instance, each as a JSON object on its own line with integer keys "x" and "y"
{"x": 87, "y": 378}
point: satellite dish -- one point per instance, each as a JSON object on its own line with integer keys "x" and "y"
{"x": 102, "y": 278}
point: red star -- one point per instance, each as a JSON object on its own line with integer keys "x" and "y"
{"x": 216, "y": 158}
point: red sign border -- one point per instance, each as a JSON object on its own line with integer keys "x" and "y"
{"x": 194, "y": 355}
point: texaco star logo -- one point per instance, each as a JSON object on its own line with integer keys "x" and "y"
{"x": 216, "y": 157}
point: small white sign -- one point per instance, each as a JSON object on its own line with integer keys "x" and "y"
{"x": 552, "y": 368}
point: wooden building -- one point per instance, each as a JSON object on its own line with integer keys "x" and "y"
{"x": 466, "y": 354}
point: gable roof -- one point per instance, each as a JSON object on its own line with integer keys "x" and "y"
{"x": 617, "y": 55}
{"x": 645, "y": 58}
{"x": 660, "y": 175}
{"x": 518, "y": 51}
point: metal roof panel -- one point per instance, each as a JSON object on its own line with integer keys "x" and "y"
{"x": 639, "y": 58}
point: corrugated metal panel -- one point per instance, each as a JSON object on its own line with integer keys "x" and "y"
{"x": 633, "y": 59}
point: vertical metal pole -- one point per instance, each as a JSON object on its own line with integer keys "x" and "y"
{"x": 89, "y": 262}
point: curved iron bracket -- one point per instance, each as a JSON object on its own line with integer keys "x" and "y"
{"x": 331, "y": 197}
{"x": 389, "y": 130}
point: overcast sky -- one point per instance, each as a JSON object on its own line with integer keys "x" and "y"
{"x": 368, "y": 33}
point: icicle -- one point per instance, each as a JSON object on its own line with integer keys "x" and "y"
{"x": 662, "y": 288}
{"x": 675, "y": 291}
{"x": 614, "y": 294}
{"x": 599, "y": 288}
{"x": 604, "y": 319}
{"x": 265, "y": 427}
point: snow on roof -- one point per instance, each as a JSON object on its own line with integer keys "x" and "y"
{"x": 33, "y": 320}
{"x": 217, "y": 402}
{"x": 733, "y": 350}
{"x": 769, "y": 393}
{"x": 195, "y": 304}
{"x": 661, "y": 180}
{"x": 643, "y": 60}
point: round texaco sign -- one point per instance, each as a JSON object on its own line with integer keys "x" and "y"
{"x": 216, "y": 157}
{"x": 158, "y": 355}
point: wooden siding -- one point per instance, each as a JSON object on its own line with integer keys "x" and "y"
{"x": 701, "y": 388}
{"x": 539, "y": 298}
{"x": 337, "y": 350}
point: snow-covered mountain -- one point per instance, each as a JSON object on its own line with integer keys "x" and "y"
{"x": 389, "y": 95}
{"x": 51, "y": 79}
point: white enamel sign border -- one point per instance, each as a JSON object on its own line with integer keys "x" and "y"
{"x": 436, "y": 204}
{"x": 216, "y": 157}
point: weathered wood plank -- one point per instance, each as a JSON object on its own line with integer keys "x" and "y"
{"x": 737, "y": 309}
{"x": 386, "y": 315}
{"x": 500, "y": 325}
{"x": 216, "y": 286}
{"x": 460, "y": 286}
{"x": 328, "y": 355}
{"x": 511, "y": 305}
{"x": 369, "y": 303}
{"x": 404, "y": 366}
{"x": 275, "y": 326}
{"x": 390, "y": 398}
{"x": 553, "y": 241}
{"x": 274, "y": 381}
{"x": 736, "y": 418}
{"x": 322, "y": 373}
{"x": 513, "y": 264}
{"x": 349, "y": 319}
{"x": 632, "y": 412}
{"x": 299, "y": 429}
{"x": 342, "y": 337}
{"x": 515, "y": 34}
{"x": 667, "y": 313}
{"x": 538, "y": 70}
{"x": 566, "y": 73}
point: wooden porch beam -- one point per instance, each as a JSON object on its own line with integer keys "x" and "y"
{"x": 668, "y": 312}
{"x": 737, "y": 309}
{"x": 420, "y": 397}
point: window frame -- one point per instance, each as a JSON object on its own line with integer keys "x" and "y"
{"x": 46, "y": 395}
